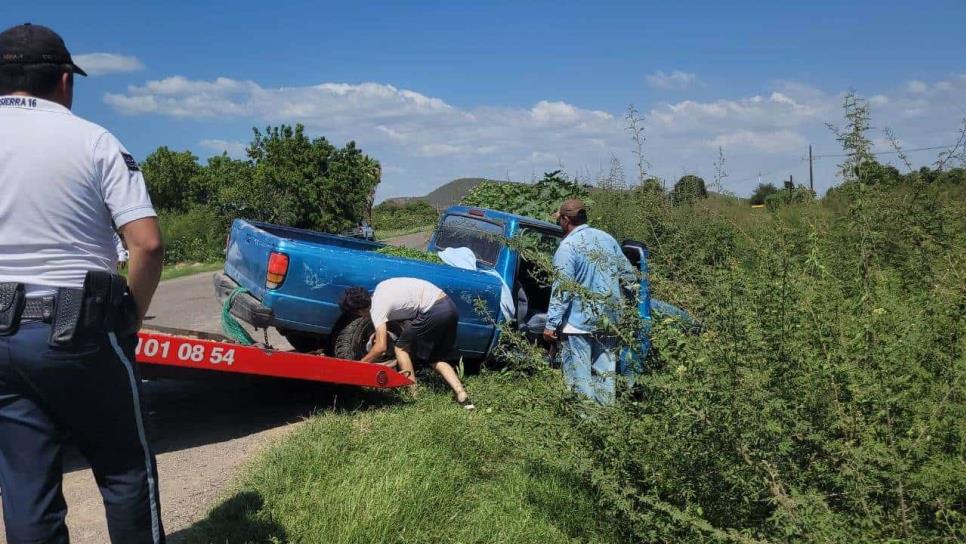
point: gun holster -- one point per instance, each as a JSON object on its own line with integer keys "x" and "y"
{"x": 104, "y": 305}
{"x": 12, "y": 302}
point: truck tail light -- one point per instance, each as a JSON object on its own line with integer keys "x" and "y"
{"x": 277, "y": 269}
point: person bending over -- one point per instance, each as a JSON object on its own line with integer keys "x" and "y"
{"x": 429, "y": 320}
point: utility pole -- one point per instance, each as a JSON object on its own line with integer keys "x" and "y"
{"x": 811, "y": 179}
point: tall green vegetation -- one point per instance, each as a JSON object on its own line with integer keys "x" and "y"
{"x": 824, "y": 401}
{"x": 762, "y": 192}
{"x": 288, "y": 178}
{"x": 538, "y": 200}
{"x": 392, "y": 215}
{"x": 688, "y": 189}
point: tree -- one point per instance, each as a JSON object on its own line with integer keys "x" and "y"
{"x": 172, "y": 178}
{"x": 297, "y": 181}
{"x": 762, "y": 192}
{"x": 230, "y": 183}
{"x": 688, "y": 189}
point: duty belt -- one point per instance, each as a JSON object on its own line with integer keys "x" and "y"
{"x": 104, "y": 304}
{"x": 39, "y": 309}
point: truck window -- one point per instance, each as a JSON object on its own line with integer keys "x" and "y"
{"x": 485, "y": 239}
{"x": 540, "y": 240}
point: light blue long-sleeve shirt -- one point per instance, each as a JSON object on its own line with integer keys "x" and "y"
{"x": 594, "y": 260}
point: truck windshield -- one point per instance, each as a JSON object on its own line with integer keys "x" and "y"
{"x": 485, "y": 239}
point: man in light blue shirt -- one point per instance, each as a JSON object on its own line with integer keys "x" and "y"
{"x": 586, "y": 298}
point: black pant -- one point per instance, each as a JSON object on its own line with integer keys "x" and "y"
{"x": 430, "y": 336}
{"x": 92, "y": 392}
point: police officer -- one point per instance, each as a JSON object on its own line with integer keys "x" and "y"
{"x": 67, "y": 325}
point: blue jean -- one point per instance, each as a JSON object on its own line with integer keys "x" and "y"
{"x": 589, "y": 362}
{"x": 92, "y": 392}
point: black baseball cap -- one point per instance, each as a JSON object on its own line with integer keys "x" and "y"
{"x": 29, "y": 44}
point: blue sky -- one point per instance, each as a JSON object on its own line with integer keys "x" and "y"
{"x": 437, "y": 90}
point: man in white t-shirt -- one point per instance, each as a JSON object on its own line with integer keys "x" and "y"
{"x": 68, "y": 322}
{"x": 428, "y": 319}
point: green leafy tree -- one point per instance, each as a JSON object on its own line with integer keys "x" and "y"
{"x": 173, "y": 180}
{"x": 297, "y": 181}
{"x": 762, "y": 192}
{"x": 688, "y": 189}
{"x": 347, "y": 189}
{"x": 230, "y": 182}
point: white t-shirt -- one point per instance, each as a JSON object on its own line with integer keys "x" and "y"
{"x": 402, "y": 298}
{"x": 65, "y": 184}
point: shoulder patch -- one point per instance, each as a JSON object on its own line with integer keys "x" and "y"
{"x": 132, "y": 164}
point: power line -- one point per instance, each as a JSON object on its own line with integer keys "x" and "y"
{"x": 888, "y": 152}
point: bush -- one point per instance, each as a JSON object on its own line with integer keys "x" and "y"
{"x": 688, "y": 189}
{"x": 762, "y": 192}
{"x": 197, "y": 235}
{"x": 394, "y": 216}
{"x": 798, "y": 195}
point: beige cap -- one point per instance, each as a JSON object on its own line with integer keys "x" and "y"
{"x": 570, "y": 207}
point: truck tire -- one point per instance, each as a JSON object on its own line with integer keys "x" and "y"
{"x": 352, "y": 340}
{"x": 303, "y": 342}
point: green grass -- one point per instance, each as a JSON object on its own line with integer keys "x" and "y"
{"x": 419, "y": 471}
{"x": 172, "y": 271}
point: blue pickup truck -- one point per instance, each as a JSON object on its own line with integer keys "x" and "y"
{"x": 294, "y": 279}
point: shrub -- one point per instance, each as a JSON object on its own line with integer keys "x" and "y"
{"x": 798, "y": 195}
{"x": 197, "y": 235}
{"x": 762, "y": 192}
{"x": 688, "y": 189}
{"x": 393, "y": 216}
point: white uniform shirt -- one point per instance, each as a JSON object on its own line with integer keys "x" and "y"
{"x": 63, "y": 182}
{"x": 402, "y": 298}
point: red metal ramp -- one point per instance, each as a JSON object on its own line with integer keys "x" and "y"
{"x": 205, "y": 351}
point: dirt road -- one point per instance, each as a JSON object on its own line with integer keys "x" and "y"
{"x": 416, "y": 240}
{"x": 203, "y": 432}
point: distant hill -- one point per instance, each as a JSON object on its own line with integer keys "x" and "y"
{"x": 444, "y": 195}
{"x": 452, "y": 192}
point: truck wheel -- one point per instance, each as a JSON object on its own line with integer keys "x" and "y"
{"x": 304, "y": 342}
{"x": 353, "y": 340}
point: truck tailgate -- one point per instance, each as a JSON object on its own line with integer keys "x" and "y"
{"x": 246, "y": 260}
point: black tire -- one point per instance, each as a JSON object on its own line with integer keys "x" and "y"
{"x": 352, "y": 339}
{"x": 304, "y": 342}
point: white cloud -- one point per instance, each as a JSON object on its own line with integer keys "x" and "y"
{"x": 234, "y": 149}
{"x": 673, "y": 80}
{"x": 440, "y": 150}
{"x": 917, "y": 87}
{"x": 765, "y": 141}
{"x": 429, "y": 141}
{"x": 97, "y": 64}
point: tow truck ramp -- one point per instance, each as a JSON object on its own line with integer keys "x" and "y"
{"x": 177, "y": 348}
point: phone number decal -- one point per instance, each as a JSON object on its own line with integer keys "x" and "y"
{"x": 186, "y": 352}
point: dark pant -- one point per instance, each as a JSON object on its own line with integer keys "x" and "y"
{"x": 90, "y": 392}
{"x": 430, "y": 336}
